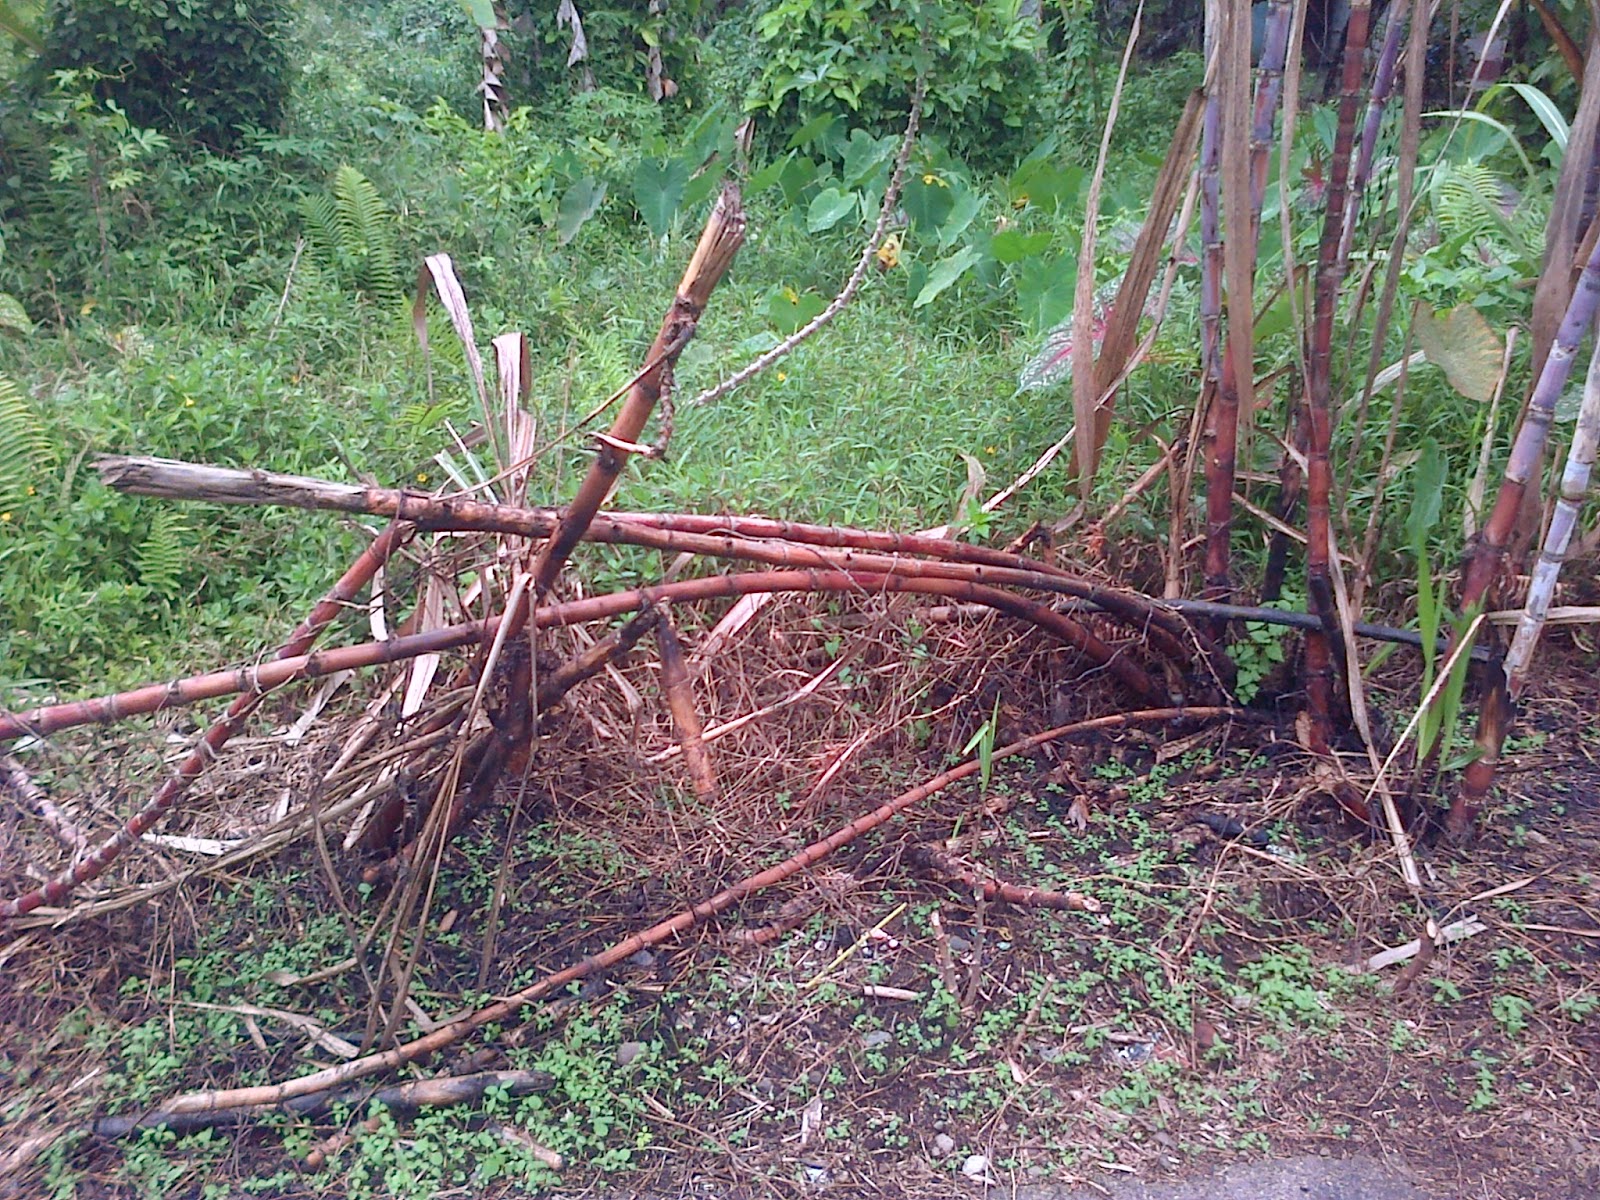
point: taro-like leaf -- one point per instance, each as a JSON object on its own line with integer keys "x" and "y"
{"x": 13, "y": 315}
{"x": 945, "y": 272}
{"x": 829, "y": 208}
{"x": 1012, "y": 245}
{"x": 1461, "y": 344}
{"x": 578, "y": 203}
{"x": 1053, "y": 363}
{"x": 966, "y": 207}
{"x": 788, "y": 310}
{"x": 658, "y": 190}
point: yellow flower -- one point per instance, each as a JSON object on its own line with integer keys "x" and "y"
{"x": 188, "y": 401}
{"x": 782, "y": 375}
{"x": 32, "y": 491}
{"x": 5, "y": 518}
{"x": 422, "y": 477}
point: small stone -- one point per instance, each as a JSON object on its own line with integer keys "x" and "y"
{"x": 629, "y": 1051}
{"x": 642, "y": 958}
{"x": 976, "y": 1166}
{"x": 944, "y": 1144}
{"x": 876, "y": 1038}
{"x": 959, "y": 944}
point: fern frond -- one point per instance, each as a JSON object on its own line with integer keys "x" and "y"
{"x": 367, "y": 231}
{"x": 321, "y": 221}
{"x": 25, "y": 451}
{"x": 602, "y": 359}
{"x": 163, "y": 554}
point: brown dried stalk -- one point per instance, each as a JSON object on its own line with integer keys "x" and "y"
{"x": 946, "y": 868}
{"x": 252, "y": 686}
{"x": 401, "y": 1097}
{"x": 678, "y": 688}
{"x": 507, "y": 1007}
{"x": 723, "y": 235}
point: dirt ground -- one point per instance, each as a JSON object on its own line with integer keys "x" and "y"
{"x": 874, "y": 1026}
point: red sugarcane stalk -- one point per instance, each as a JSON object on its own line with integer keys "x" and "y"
{"x": 253, "y": 689}
{"x": 1222, "y": 427}
{"x": 1382, "y": 88}
{"x": 723, "y": 235}
{"x": 751, "y": 539}
{"x": 706, "y": 910}
{"x": 41, "y": 721}
{"x": 1320, "y": 657}
{"x": 949, "y": 869}
{"x": 1498, "y": 710}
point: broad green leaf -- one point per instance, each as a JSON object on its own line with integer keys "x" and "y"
{"x": 788, "y": 310}
{"x": 797, "y": 175}
{"x": 481, "y": 12}
{"x": 1427, "y": 498}
{"x": 928, "y": 201}
{"x": 703, "y": 184}
{"x": 863, "y": 155}
{"x": 966, "y": 207}
{"x": 815, "y": 130}
{"x": 829, "y": 208}
{"x": 945, "y": 272}
{"x": 1012, "y": 245}
{"x": 1461, "y": 344}
{"x": 767, "y": 175}
{"x": 658, "y": 191}
{"x": 578, "y": 203}
{"x": 13, "y": 315}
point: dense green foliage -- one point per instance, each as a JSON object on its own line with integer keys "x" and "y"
{"x": 207, "y": 69}
{"x": 248, "y": 307}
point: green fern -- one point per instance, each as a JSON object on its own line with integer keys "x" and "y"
{"x": 164, "y": 553}
{"x": 351, "y": 234}
{"x": 1473, "y": 204}
{"x": 25, "y": 452}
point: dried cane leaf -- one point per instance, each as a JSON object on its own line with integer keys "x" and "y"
{"x": 1462, "y": 345}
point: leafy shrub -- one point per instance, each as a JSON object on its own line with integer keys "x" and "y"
{"x": 204, "y": 69}
{"x": 861, "y": 58}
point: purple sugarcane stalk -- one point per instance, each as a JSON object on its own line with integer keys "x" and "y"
{"x": 1223, "y": 418}
{"x": 1382, "y": 88}
{"x": 1319, "y": 385}
{"x": 1495, "y": 716}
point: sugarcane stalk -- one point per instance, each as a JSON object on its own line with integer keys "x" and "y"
{"x": 720, "y": 241}
{"x": 251, "y": 686}
{"x": 678, "y": 688}
{"x": 155, "y": 697}
{"x": 1320, "y": 657}
{"x": 1507, "y": 683}
{"x": 1395, "y": 22}
{"x": 742, "y": 538}
{"x": 1225, "y": 414}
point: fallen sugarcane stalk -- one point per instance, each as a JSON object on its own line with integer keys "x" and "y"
{"x": 948, "y": 870}
{"x": 401, "y": 1097}
{"x": 156, "y": 697}
{"x": 503, "y": 1009}
{"x": 740, "y": 538}
{"x": 253, "y": 682}
{"x": 252, "y": 690}
{"x": 15, "y": 780}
